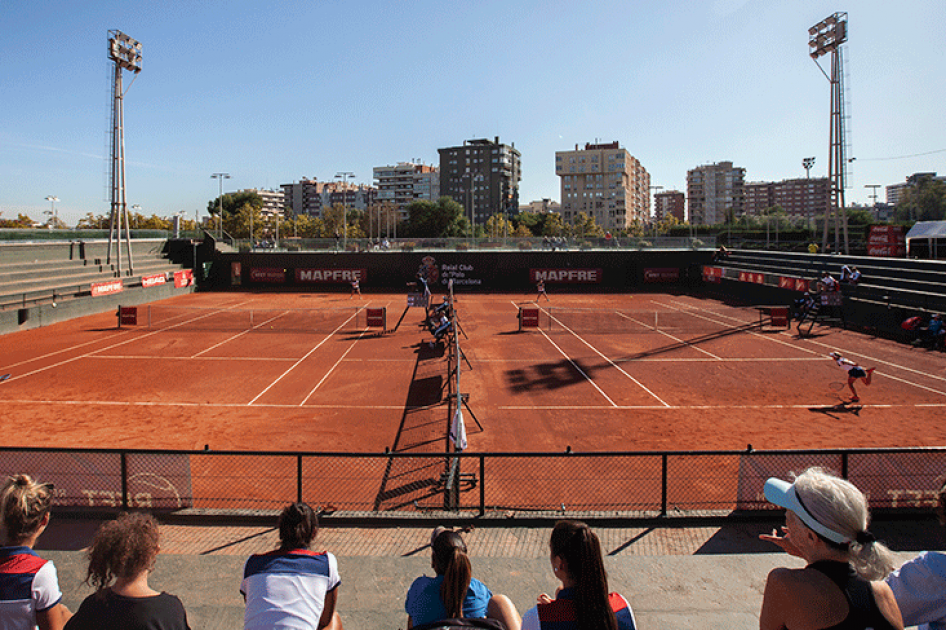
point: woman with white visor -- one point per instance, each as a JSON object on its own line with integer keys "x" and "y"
{"x": 826, "y": 525}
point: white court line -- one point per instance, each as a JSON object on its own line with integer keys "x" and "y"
{"x": 188, "y": 358}
{"x": 296, "y": 364}
{"x": 114, "y": 403}
{"x": 695, "y": 407}
{"x": 231, "y": 338}
{"x": 846, "y": 352}
{"x": 613, "y": 364}
{"x": 580, "y": 371}
{"x": 94, "y": 352}
{"x": 666, "y": 334}
{"x": 332, "y": 369}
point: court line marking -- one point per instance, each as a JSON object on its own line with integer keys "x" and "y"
{"x": 580, "y": 371}
{"x": 677, "y": 339}
{"x": 701, "y": 407}
{"x": 332, "y": 369}
{"x": 116, "y": 403}
{"x": 94, "y": 352}
{"x": 306, "y": 356}
{"x": 233, "y": 337}
{"x": 145, "y": 357}
{"x": 851, "y": 353}
{"x": 613, "y": 364}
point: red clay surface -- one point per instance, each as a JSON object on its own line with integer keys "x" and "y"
{"x": 86, "y": 383}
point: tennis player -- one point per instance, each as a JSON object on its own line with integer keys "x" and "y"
{"x": 355, "y": 288}
{"x": 854, "y": 372}
{"x": 540, "y": 287}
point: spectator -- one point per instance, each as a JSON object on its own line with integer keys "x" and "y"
{"x": 124, "y": 550}
{"x": 933, "y": 332}
{"x": 855, "y": 275}
{"x": 845, "y": 273}
{"x": 827, "y": 282}
{"x": 33, "y": 599}
{"x": 812, "y": 248}
{"x": 583, "y": 602}
{"x": 919, "y": 585}
{"x": 292, "y": 587}
{"x": 826, "y": 525}
{"x": 721, "y": 254}
{"x": 454, "y": 593}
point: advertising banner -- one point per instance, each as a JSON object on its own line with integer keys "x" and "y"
{"x": 268, "y": 274}
{"x": 107, "y": 288}
{"x": 712, "y": 274}
{"x": 330, "y": 276}
{"x": 662, "y": 274}
{"x": 567, "y": 276}
{"x": 750, "y": 276}
{"x": 153, "y": 280}
{"x": 183, "y": 278}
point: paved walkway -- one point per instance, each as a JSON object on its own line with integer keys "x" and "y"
{"x": 676, "y": 577}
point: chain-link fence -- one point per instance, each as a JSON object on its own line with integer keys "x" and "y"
{"x": 602, "y": 484}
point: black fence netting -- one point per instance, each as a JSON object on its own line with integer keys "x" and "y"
{"x": 639, "y": 483}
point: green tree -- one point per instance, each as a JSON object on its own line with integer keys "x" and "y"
{"x": 232, "y": 203}
{"x": 553, "y": 225}
{"x": 21, "y": 221}
{"x": 436, "y": 220}
{"x": 93, "y": 222}
{"x": 924, "y": 201}
{"x": 497, "y": 226}
{"x": 585, "y": 226}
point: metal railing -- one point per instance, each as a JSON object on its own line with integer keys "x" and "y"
{"x": 611, "y": 484}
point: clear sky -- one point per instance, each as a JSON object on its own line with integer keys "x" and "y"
{"x": 272, "y": 92}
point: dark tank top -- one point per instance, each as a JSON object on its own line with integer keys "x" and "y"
{"x": 863, "y": 612}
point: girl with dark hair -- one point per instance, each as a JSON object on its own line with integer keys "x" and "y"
{"x": 124, "y": 551}
{"x": 34, "y": 600}
{"x": 583, "y": 602}
{"x": 292, "y": 587}
{"x": 454, "y": 593}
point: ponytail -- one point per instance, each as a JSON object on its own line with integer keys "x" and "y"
{"x": 578, "y": 546}
{"x": 23, "y": 505}
{"x": 298, "y": 526}
{"x": 452, "y": 562}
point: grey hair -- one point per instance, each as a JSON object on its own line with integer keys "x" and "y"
{"x": 838, "y": 505}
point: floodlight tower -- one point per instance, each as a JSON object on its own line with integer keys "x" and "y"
{"x": 826, "y": 37}
{"x": 126, "y": 53}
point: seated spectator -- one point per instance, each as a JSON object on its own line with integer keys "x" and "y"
{"x": 583, "y": 600}
{"x": 721, "y": 254}
{"x": 292, "y": 586}
{"x": 919, "y": 585}
{"x": 124, "y": 551}
{"x": 827, "y": 282}
{"x": 826, "y": 522}
{"x": 933, "y": 333}
{"x": 32, "y": 597}
{"x": 845, "y": 273}
{"x": 855, "y": 276}
{"x": 454, "y": 593}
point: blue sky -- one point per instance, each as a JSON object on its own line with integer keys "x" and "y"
{"x": 271, "y": 92}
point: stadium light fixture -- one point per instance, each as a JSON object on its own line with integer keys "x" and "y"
{"x": 220, "y": 177}
{"x": 344, "y": 175}
{"x": 52, "y": 199}
{"x": 124, "y": 51}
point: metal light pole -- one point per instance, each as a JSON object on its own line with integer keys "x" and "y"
{"x": 55, "y": 217}
{"x": 344, "y": 175}
{"x": 807, "y": 163}
{"x": 220, "y": 177}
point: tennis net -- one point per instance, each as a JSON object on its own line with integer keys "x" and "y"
{"x": 309, "y": 320}
{"x": 589, "y": 320}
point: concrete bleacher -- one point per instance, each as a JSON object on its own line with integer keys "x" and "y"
{"x": 46, "y": 282}
{"x": 675, "y": 577}
{"x": 890, "y": 290}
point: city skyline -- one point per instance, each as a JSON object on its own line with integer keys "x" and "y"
{"x": 274, "y": 93}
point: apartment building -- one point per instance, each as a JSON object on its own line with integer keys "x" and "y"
{"x": 603, "y": 181}
{"x": 542, "y": 206}
{"x": 713, "y": 190}
{"x": 804, "y": 197}
{"x": 483, "y": 176}
{"x": 273, "y": 201}
{"x": 895, "y": 191}
{"x": 310, "y": 196}
{"x": 405, "y": 182}
{"x": 670, "y": 203}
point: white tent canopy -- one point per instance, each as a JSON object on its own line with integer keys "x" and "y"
{"x": 929, "y": 230}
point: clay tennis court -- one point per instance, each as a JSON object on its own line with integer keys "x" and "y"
{"x": 87, "y": 383}
{"x": 688, "y": 376}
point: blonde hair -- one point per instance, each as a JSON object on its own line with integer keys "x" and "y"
{"x": 838, "y": 505}
{"x": 23, "y": 505}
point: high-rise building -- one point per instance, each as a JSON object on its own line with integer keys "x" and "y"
{"x": 895, "y": 191}
{"x": 803, "y": 197}
{"x": 713, "y": 191}
{"x": 483, "y": 176}
{"x": 669, "y": 203}
{"x": 541, "y": 206}
{"x": 273, "y": 201}
{"x": 405, "y": 182}
{"x": 310, "y": 196}
{"x": 603, "y": 181}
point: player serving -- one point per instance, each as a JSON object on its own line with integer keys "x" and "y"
{"x": 854, "y": 372}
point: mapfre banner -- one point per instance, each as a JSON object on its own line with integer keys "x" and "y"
{"x": 330, "y": 276}
{"x": 567, "y": 276}
{"x": 107, "y": 288}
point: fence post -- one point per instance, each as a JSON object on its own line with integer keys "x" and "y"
{"x": 482, "y": 485}
{"x": 663, "y": 484}
{"x": 298, "y": 478}
{"x": 844, "y": 457}
{"x": 124, "y": 464}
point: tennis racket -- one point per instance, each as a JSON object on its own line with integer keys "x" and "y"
{"x": 4, "y": 377}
